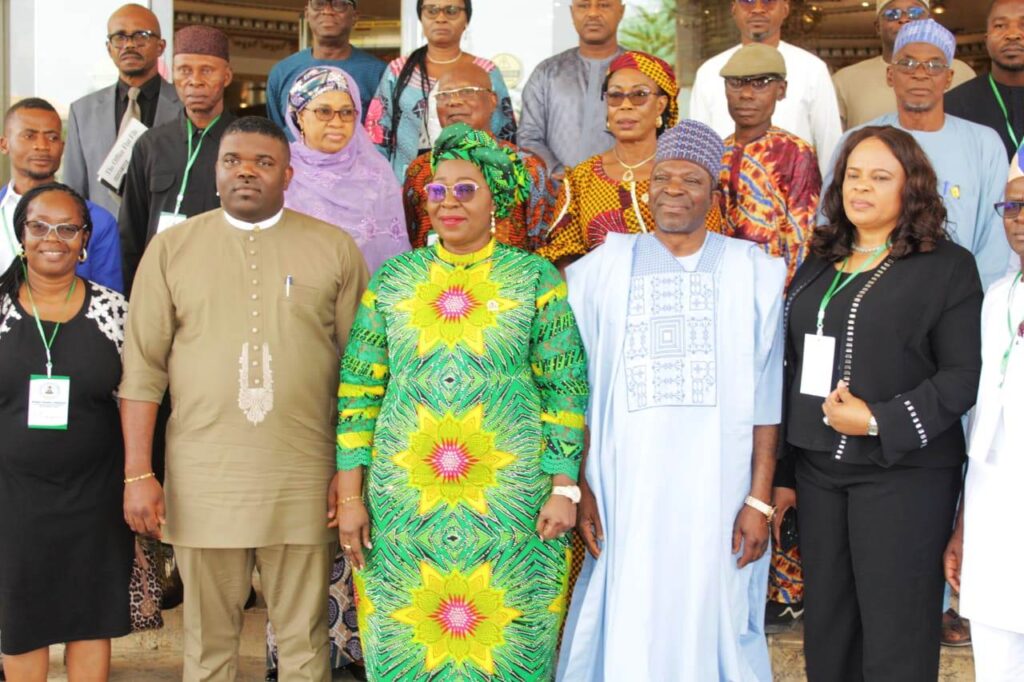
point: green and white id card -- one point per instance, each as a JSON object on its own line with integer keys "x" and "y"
{"x": 48, "y": 402}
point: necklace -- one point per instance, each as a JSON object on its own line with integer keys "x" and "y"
{"x": 444, "y": 61}
{"x": 628, "y": 175}
{"x": 868, "y": 249}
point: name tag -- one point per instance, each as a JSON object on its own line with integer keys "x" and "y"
{"x": 432, "y": 238}
{"x": 48, "y": 402}
{"x": 169, "y": 220}
{"x": 818, "y": 363}
{"x": 115, "y": 166}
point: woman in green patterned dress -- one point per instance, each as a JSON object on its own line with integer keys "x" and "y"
{"x": 461, "y": 405}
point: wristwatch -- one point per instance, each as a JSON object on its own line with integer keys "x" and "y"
{"x": 766, "y": 509}
{"x": 570, "y": 491}
{"x": 872, "y": 426}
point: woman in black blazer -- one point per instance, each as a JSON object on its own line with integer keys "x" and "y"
{"x": 882, "y": 361}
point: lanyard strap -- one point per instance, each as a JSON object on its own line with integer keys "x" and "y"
{"x": 1006, "y": 113}
{"x": 190, "y": 160}
{"x": 1009, "y": 325}
{"x": 836, "y": 287}
{"x": 47, "y": 343}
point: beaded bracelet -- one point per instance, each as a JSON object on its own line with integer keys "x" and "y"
{"x": 342, "y": 502}
{"x": 143, "y": 477}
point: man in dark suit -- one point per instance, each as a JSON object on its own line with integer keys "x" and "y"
{"x": 135, "y": 46}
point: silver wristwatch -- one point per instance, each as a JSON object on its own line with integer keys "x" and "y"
{"x": 570, "y": 491}
{"x": 872, "y": 426}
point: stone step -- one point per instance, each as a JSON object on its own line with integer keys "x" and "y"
{"x": 156, "y": 656}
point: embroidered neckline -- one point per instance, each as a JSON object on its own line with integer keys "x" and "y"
{"x": 465, "y": 258}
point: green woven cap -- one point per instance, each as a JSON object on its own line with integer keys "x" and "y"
{"x": 756, "y": 59}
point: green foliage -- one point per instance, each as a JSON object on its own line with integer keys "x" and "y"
{"x": 653, "y": 32}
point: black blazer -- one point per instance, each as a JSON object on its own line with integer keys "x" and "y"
{"x": 911, "y": 348}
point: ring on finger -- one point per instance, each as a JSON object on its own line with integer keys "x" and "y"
{"x": 347, "y": 548}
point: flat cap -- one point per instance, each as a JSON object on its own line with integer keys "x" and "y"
{"x": 755, "y": 59}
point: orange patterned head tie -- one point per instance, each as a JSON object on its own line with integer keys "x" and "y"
{"x": 659, "y": 71}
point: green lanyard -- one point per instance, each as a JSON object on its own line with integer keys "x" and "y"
{"x": 1006, "y": 114}
{"x": 836, "y": 287}
{"x": 1009, "y": 325}
{"x": 191, "y": 158}
{"x": 47, "y": 344}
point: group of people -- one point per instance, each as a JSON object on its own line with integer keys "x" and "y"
{"x": 487, "y": 395}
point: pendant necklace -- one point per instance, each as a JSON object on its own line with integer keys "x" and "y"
{"x": 628, "y": 175}
{"x": 444, "y": 61}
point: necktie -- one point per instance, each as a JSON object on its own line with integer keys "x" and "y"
{"x": 132, "y": 112}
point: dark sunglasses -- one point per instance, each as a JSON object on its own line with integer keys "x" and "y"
{"x": 1009, "y": 209}
{"x": 462, "y": 191}
{"x": 933, "y": 67}
{"x": 756, "y": 82}
{"x": 896, "y": 14}
{"x": 65, "y": 231}
{"x": 326, "y": 114}
{"x": 637, "y": 97}
{"x": 450, "y": 11}
{"x": 139, "y": 38}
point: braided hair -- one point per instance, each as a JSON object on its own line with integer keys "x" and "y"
{"x": 417, "y": 62}
{"x": 12, "y": 279}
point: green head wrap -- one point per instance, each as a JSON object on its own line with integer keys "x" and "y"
{"x": 502, "y": 169}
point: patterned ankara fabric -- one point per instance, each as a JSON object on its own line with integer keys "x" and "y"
{"x": 770, "y": 190}
{"x": 657, "y": 70}
{"x": 592, "y": 204}
{"x": 412, "y": 137}
{"x": 503, "y": 172}
{"x": 463, "y": 391}
{"x": 786, "y": 576}
{"x": 524, "y": 227}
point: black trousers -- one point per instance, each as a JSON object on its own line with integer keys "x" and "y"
{"x": 872, "y": 541}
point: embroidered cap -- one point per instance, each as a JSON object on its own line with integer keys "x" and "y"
{"x": 927, "y": 31}
{"x": 199, "y": 39}
{"x": 755, "y": 59}
{"x": 695, "y": 142}
{"x": 882, "y": 4}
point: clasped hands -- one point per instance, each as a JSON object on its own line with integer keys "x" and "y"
{"x": 845, "y": 412}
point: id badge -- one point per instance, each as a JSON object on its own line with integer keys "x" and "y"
{"x": 48, "y": 402}
{"x": 432, "y": 238}
{"x": 818, "y": 361}
{"x": 169, "y": 220}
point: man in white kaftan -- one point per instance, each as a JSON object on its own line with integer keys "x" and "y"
{"x": 683, "y": 333}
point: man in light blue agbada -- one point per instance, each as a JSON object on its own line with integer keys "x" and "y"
{"x": 683, "y": 336}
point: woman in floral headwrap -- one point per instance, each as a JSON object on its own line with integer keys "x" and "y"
{"x": 459, "y": 439}
{"x": 608, "y": 192}
{"x": 340, "y": 177}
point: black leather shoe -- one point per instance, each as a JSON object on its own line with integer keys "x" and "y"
{"x": 271, "y": 675}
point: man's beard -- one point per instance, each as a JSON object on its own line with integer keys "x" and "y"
{"x": 38, "y": 176}
{"x": 920, "y": 108}
{"x": 1016, "y": 68}
{"x": 131, "y": 73}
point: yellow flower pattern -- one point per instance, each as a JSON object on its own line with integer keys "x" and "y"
{"x": 455, "y": 305}
{"x": 452, "y": 461}
{"x": 458, "y": 617}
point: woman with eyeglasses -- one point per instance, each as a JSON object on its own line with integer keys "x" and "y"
{"x": 399, "y": 118}
{"x": 338, "y": 175}
{"x": 882, "y": 330}
{"x": 459, "y": 439}
{"x": 608, "y": 192}
{"x": 65, "y": 550}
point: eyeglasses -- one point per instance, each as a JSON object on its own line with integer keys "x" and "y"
{"x": 450, "y": 11}
{"x": 896, "y": 14}
{"x": 340, "y": 6}
{"x": 327, "y": 114}
{"x": 462, "y": 191}
{"x": 1009, "y": 209}
{"x": 65, "y": 231}
{"x": 139, "y": 38}
{"x": 932, "y": 67}
{"x": 446, "y": 96}
{"x": 756, "y": 82}
{"x": 637, "y": 97}
{"x": 750, "y": 4}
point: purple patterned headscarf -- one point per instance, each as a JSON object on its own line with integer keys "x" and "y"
{"x": 354, "y": 188}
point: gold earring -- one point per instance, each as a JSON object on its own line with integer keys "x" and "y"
{"x": 607, "y": 124}
{"x": 493, "y": 226}
{"x": 661, "y": 121}
{"x": 82, "y": 256}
